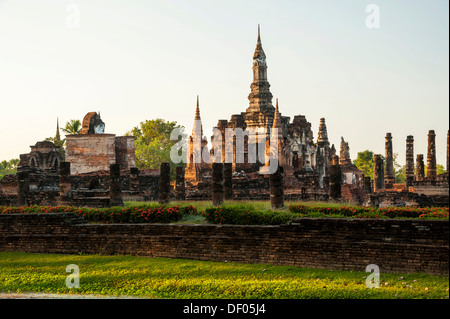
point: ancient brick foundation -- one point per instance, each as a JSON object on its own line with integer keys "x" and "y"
{"x": 353, "y": 194}
{"x": 394, "y": 245}
{"x": 392, "y": 198}
{"x": 37, "y": 187}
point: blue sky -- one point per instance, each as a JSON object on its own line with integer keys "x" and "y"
{"x": 143, "y": 59}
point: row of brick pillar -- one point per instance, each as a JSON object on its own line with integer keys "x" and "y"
{"x": 384, "y": 174}
{"x": 222, "y": 184}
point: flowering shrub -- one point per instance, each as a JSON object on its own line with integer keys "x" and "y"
{"x": 141, "y": 214}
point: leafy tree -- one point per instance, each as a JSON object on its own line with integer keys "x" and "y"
{"x": 400, "y": 174}
{"x": 8, "y": 167}
{"x": 399, "y": 171}
{"x": 72, "y": 127}
{"x": 440, "y": 169}
{"x": 364, "y": 162}
{"x": 153, "y": 144}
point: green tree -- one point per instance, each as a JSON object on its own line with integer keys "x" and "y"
{"x": 153, "y": 144}
{"x": 440, "y": 169}
{"x": 400, "y": 174}
{"x": 364, "y": 162}
{"x": 399, "y": 171}
{"x": 8, "y": 167}
{"x": 72, "y": 127}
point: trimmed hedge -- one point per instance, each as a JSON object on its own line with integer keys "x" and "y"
{"x": 234, "y": 214}
{"x": 248, "y": 215}
{"x": 237, "y": 215}
{"x": 371, "y": 212}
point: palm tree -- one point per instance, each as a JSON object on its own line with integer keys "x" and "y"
{"x": 72, "y": 127}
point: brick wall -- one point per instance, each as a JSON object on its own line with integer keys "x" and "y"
{"x": 89, "y": 153}
{"x": 394, "y": 245}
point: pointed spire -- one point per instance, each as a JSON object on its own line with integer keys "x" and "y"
{"x": 198, "y": 127}
{"x": 277, "y": 119}
{"x": 57, "y": 136}
{"x": 197, "y": 111}
{"x": 259, "y": 35}
{"x": 259, "y": 52}
{"x": 322, "y": 137}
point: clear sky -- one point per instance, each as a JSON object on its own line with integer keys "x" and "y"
{"x": 135, "y": 60}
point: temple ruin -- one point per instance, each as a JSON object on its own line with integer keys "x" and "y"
{"x": 306, "y": 162}
{"x": 98, "y": 171}
{"x": 99, "y": 168}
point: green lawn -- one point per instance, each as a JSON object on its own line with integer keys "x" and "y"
{"x": 201, "y": 205}
{"x": 176, "y": 278}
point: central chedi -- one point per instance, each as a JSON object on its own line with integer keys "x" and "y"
{"x": 302, "y": 158}
{"x": 260, "y": 112}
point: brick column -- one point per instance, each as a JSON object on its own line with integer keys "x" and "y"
{"x": 367, "y": 185}
{"x": 217, "y": 184}
{"x": 180, "y": 186}
{"x": 420, "y": 167}
{"x": 115, "y": 191}
{"x": 326, "y": 184}
{"x": 65, "y": 184}
{"x": 276, "y": 183}
{"x": 228, "y": 180}
{"x": 134, "y": 179}
{"x": 335, "y": 179}
{"x": 164, "y": 183}
{"x": 409, "y": 161}
{"x": 24, "y": 186}
{"x": 378, "y": 173}
{"x": 431, "y": 155}
{"x": 389, "y": 170}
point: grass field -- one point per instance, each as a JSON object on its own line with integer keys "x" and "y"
{"x": 180, "y": 279}
{"x": 201, "y": 205}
